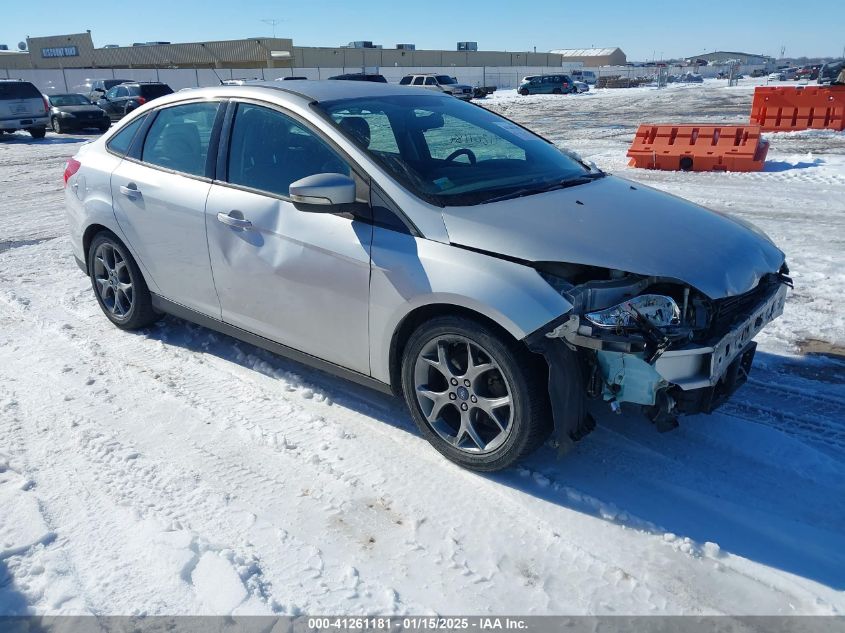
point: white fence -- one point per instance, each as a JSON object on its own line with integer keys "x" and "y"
{"x": 76, "y": 79}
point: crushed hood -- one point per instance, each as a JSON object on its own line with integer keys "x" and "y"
{"x": 617, "y": 224}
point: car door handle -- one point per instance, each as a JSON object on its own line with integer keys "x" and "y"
{"x": 230, "y": 220}
{"x": 130, "y": 190}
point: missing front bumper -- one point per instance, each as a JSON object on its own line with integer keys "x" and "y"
{"x": 692, "y": 379}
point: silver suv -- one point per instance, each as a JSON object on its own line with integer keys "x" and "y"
{"x": 440, "y": 83}
{"x": 422, "y": 246}
{"x": 23, "y": 107}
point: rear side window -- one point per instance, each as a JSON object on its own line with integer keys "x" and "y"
{"x": 418, "y": 81}
{"x": 18, "y": 90}
{"x": 179, "y": 137}
{"x": 405, "y": 81}
{"x": 122, "y": 141}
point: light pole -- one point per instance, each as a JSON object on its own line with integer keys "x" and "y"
{"x": 272, "y": 22}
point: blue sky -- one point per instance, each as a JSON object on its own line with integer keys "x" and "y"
{"x": 641, "y": 29}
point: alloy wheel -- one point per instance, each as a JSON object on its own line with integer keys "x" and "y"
{"x": 113, "y": 280}
{"x": 463, "y": 394}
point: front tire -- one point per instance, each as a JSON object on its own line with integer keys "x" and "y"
{"x": 476, "y": 395}
{"x": 118, "y": 284}
{"x": 524, "y": 92}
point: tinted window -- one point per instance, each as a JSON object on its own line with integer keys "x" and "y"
{"x": 429, "y": 81}
{"x": 121, "y": 142}
{"x": 154, "y": 91}
{"x": 178, "y": 138}
{"x": 418, "y": 81}
{"x": 405, "y": 81}
{"x": 18, "y": 90}
{"x": 445, "y": 79}
{"x": 269, "y": 151}
{"x": 111, "y": 94}
{"x": 121, "y": 91}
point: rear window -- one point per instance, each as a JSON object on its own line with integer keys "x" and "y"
{"x": 18, "y": 90}
{"x": 405, "y": 80}
{"x": 150, "y": 91}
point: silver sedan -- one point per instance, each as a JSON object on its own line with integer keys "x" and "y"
{"x": 426, "y": 247}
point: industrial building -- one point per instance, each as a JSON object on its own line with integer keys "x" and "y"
{"x": 77, "y": 50}
{"x": 592, "y": 57}
{"x": 732, "y": 57}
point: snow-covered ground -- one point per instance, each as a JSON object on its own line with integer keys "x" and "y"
{"x": 178, "y": 471}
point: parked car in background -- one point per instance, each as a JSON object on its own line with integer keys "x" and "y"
{"x": 587, "y": 76}
{"x": 829, "y": 72}
{"x": 23, "y": 107}
{"x": 99, "y": 87}
{"x": 374, "y": 77}
{"x": 808, "y": 73}
{"x": 581, "y": 86}
{"x": 427, "y": 248}
{"x": 439, "y": 83}
{"x": 546, "y": 84}
{"x": 778, "y": 75}
{"x": 122, "y": 99}
{"x": 691, "y": 78}
{"x": 74, "y": 111}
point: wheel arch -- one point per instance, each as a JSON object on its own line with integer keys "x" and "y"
{"x": 419, "y": 315}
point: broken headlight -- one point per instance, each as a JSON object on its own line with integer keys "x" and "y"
{"x": 659, "y": 310}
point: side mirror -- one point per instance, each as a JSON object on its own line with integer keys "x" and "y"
{"x": 324, "y": 190}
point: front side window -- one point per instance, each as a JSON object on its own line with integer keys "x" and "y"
{"x": 112, "y": 93}
{"x": 121, "y": 91}
{"x": 450, "y": 152}
{"x": 269, "y": 150}
{"x": 179, "y": 137}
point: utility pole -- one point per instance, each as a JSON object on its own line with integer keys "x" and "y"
{"x": 272, "y": 22}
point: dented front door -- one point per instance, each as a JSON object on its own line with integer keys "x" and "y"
{"x": 297, "y": 278}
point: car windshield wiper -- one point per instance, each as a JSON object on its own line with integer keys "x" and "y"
{"x": 560, "y": 184}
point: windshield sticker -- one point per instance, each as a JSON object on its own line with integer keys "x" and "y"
{"x": 517, "y": 131}
{"x": 443, "y": 182}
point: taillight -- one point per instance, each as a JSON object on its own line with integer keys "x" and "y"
{"x": 71, "y": 167}
{"x": 46, "y": 104}
{"x": 141, "y": 101}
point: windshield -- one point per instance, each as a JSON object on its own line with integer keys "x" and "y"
{"x": 68, "y": 100}
{"x": 446, "y": 79}
{"x": 450, "y": 152}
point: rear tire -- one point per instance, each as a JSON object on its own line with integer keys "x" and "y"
{"x": 57, "y": 126}
{"x": 118, "y": 284}
{"x": 38, "y": 132}
{"x": 478, "y": 396}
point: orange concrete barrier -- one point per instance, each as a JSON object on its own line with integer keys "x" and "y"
{"x": 788, "y": 108}
{"x": 699, "y": 148}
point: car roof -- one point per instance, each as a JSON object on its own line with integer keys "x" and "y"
{"x": 328, "y": 90}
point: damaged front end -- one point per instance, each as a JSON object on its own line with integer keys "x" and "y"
{"x": 650, "y": 341}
